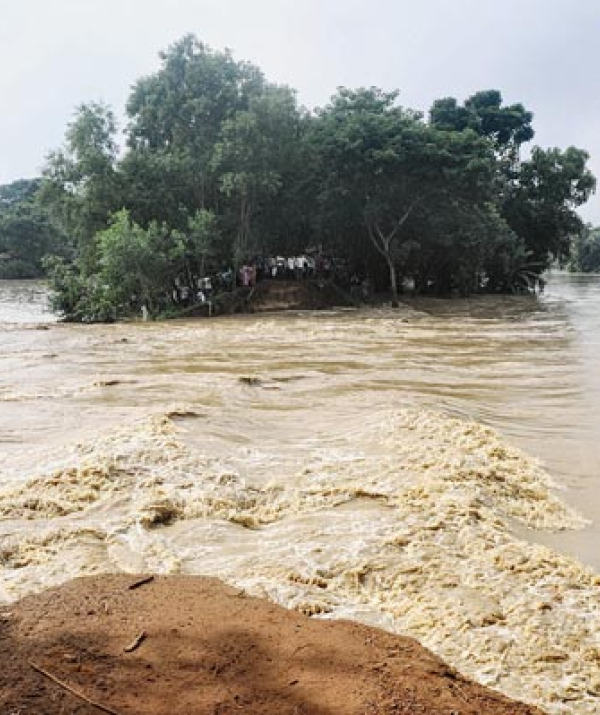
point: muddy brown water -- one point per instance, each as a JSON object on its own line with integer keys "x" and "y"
{"x": 432, "y": 470}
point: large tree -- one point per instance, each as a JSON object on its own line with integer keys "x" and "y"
{"x": 542, "y": 201}
{"x": 81, "y": 185}
{"x": 251, "y": 157}
{"x": 176, "y": 116}
{"x": 390, "y": 167}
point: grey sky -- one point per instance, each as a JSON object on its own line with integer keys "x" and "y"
{"x": 55, "y": 54}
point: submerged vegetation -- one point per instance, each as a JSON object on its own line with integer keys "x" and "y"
{"x": 221, "y": 166}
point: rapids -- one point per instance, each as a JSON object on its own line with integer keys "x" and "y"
{"x": 432, "y": 470}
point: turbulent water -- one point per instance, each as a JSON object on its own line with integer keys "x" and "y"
{"x": 432, "y": 470}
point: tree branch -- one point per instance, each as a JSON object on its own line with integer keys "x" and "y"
{"x": 374, "y": 239}
{"x": 403, "y": 219}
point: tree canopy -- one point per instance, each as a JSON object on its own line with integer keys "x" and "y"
{"x": 27, "y": 233}
{"x": 585, "y": 256}
{"x": 506, "y": 127}
{"x": 220, "y": 166}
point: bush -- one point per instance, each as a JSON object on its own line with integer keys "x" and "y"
{"x": 16, "y": 268}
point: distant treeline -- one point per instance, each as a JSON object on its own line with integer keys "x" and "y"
{"x": 220, "y": 165}
{"x": 27, "y": 234}
{"x": 585, "y": 250}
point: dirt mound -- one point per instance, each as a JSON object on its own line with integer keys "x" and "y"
{"x": 181, "y": 645}
{"x": 296, "y": 295}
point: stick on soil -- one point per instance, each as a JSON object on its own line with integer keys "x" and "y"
{"x": 141, "y": 582}
{"x": 73, "y": 691}
{"x": 139, "y": 639}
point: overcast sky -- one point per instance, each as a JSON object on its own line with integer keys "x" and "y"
{"x": 55, "y": 54}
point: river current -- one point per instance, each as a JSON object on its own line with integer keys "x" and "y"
{"x": 433, "y": 470}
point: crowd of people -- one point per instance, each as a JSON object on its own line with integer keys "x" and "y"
{"x": 302, "y": 267}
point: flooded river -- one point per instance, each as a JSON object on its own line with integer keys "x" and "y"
{"x": 432, "y": 470}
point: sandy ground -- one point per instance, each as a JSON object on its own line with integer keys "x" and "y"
{"x": 183, "y": 645}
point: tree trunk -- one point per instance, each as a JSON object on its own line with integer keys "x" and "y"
{"x": 393, "y": 283}
{"x": 243, "y": 237}
{"x": 384, "y": 243}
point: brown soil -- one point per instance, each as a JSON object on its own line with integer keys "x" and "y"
{"x": 272, "y": 295}
{"x": 209, "y": 649}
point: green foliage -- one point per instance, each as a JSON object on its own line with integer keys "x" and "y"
{"x": 176, "y": 118}
{"x": 81, "y": 186}
{"x": 26, "y": 232}
{"x": 221, "y": 165}
{"x": 542, "y": 198}
{"x": 202, "y": 245}
{"x": 483, "y": 113}
{"x": 135, "y": 268}
{"x": 137, "y": 264}
{"x": 77, "y": 297}
{"x": 18, "y": 193}
{"x": 586, "y": 251}
{"x": 184, "y": 104}
{"x": 251, "y": 155}
{"x": 392, "y": 169}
